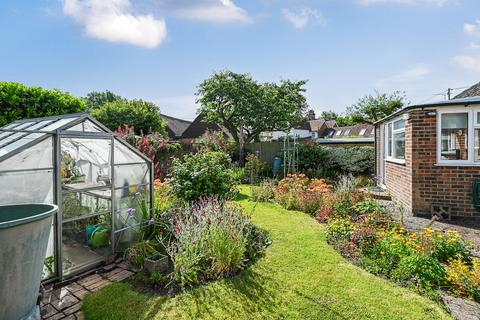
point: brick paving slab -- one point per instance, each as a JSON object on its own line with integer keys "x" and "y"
{"x": 110, "y": 267}
{"x": 121, "y": 276}
{"x": 47, "y": 311}
{"x": 64, "y": 302}
{"x": 74, "y": 287}
{"x": 81, "y": 294}
{"x": 89, "y": 280}
{"x": 99, "y": 285}
{"x": 70, "y": 317}
{"x": 73, "y": 309}
{"x": 79, "y": 315}
{"x": 113, "y": 272}
{"x": 56, "y": 316}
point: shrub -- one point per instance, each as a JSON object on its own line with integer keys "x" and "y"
{"x": 325, "y": 162}
{"x": 264, "y": 192}
{"x": 203, "y": 174}
{"x": 254, "y": 168}
{"x": 367, "y": 206}
{"x": 153, "y": 146}
{"x": 216, "y": 141}
{"x": 465, "y": 280}
{"x": 420, "y": 268}
{"x": 339, "y": 230}
{"x": 141, "y": 115}
{"x": 19, "y": 102}
{"x": 209, "y": 239}
{"x": 297, "y": 192}
{"x": 164, "y": 200}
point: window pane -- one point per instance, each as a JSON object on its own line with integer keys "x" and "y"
{"x": 454, "y": 140}
{"x": 84, "y": 203}
{"x": 477, "y": 145}
{"x": 26, "y": 187}
{"x": 389, "y": 140}
{"x": 399, "y": 145}
{"x": 400, "y": 124}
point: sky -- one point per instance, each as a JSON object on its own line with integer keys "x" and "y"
{"x": 160, "y": 50}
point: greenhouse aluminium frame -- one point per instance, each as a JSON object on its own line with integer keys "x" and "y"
{"x": 24, "y": 134}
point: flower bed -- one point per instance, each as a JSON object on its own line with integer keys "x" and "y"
{"x": 361, "y": 230}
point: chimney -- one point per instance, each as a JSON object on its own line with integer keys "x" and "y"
{"x": 311, "y": 115}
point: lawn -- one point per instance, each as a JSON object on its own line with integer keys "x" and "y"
{"x": 300, "y": 277}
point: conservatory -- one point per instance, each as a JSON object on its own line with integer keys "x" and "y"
{"x": 97, "y": 180}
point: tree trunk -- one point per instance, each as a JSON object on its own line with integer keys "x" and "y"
{"x": 241, "y": 147}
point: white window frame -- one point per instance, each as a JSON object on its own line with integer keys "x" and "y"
{"x": 472, "y": 125}
{"x": 393, "y": 158}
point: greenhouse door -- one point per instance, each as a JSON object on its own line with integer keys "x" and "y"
{"x": 85, "y": 201}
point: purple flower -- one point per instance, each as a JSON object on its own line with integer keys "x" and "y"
{"x": 151, "y": 221}
{"x": 138, "y": 194}
{"x": 131, "y": 210}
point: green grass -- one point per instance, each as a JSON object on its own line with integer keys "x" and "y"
{"x": 301, "y": 277}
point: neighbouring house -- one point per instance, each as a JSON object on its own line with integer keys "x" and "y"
{"x": 351, "y": 136}
{"x": 175, "y": 127}
{"x": 309, "y": 128}
{"x": 428, "y": 157}
{"x": 198, "y": 128}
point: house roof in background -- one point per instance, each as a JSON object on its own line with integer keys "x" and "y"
{"x": 369, "y": 140}
{"x": 356, "y": 130}
{"x": 473, "y": 91}
{"x": 198, "y": 127}
{"x": 175, "y": 127}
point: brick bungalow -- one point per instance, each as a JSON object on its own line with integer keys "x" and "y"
{"x": 428, "y": 157}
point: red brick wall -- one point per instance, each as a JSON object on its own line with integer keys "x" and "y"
{"x": 450, "y": 186}
{"x": 419, "y": 182}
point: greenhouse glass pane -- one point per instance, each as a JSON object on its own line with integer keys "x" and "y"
{"x": 59, "y": 123}
{"x": 131, "y": 175}
{"x": 39, "y": 155}
{"x": 26, "y": 187}
{"x": 86, "y": 126}
{"x": 85, "y": 241}
{"x": 85, "y": 163}
{"x": 21, "y": 142}
{"x": 124, "y": 155}
{"x": 126, "y": 200}
{"x": 84, "y": 203}
{"x": 11, "y": 125}
{"x": 24, "y": 125}
{"x": 126, "y": 237}
{"x": 5, "y": 141}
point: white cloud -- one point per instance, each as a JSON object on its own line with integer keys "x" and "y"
{"x": 410, "y": 2}
{"x": 210, "y": 10}
{"x": 472, "y": 29}
{"x": 474, "y": 45}
{"x": 301, "y": 18}
{"x": 115, "y": 21}
{"x": 471, "y": 63}
{"x": 412, "y": 74}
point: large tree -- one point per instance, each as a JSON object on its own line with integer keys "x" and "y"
{"x": 246, "y": 108}
{"x": 142, "y": 115}
{"x": 96, "y": 99}
{"x": 19, "y": 102}
{"x": 372, "y": 108}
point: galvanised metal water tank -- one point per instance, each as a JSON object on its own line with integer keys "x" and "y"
{"x": 24, "y": 232}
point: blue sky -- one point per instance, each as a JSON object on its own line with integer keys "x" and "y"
{"x": 159, "y": 50}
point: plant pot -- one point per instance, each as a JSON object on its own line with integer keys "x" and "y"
{"x": 156, "y": 263}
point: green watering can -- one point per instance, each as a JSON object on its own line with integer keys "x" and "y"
{"x": 97, "y": 235}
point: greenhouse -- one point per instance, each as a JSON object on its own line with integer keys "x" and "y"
{"x": 97, "y": 180}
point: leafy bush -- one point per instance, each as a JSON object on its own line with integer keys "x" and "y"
{"x": 464, "y": 279}
{"x": 216, "y": 141}
{"x": 209, "y": 239}
{"x": 254, "y": 168}
{"x": 154, "y": 146}
{"x": 264, "y": 192}
{"x": 420, "y": 268}
{"x": 326, "y": 162}
{"x": 339, "y": 229}
{"x": 297, "y": 192}
{"x": 19, "y": 102}
{"x": 141, "y": 115}
{"x": 367, "y": 206}
{"x": 164, "y": 200}
{"x": 203, "y": 174}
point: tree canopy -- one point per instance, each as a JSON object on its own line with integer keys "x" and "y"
{"x": 142, "y": 115}
{"x": 372, "y": 108}
{"x": 247, "y": 108}
{"x": 96, "y": 99}
{"x": 18, "y": 101}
